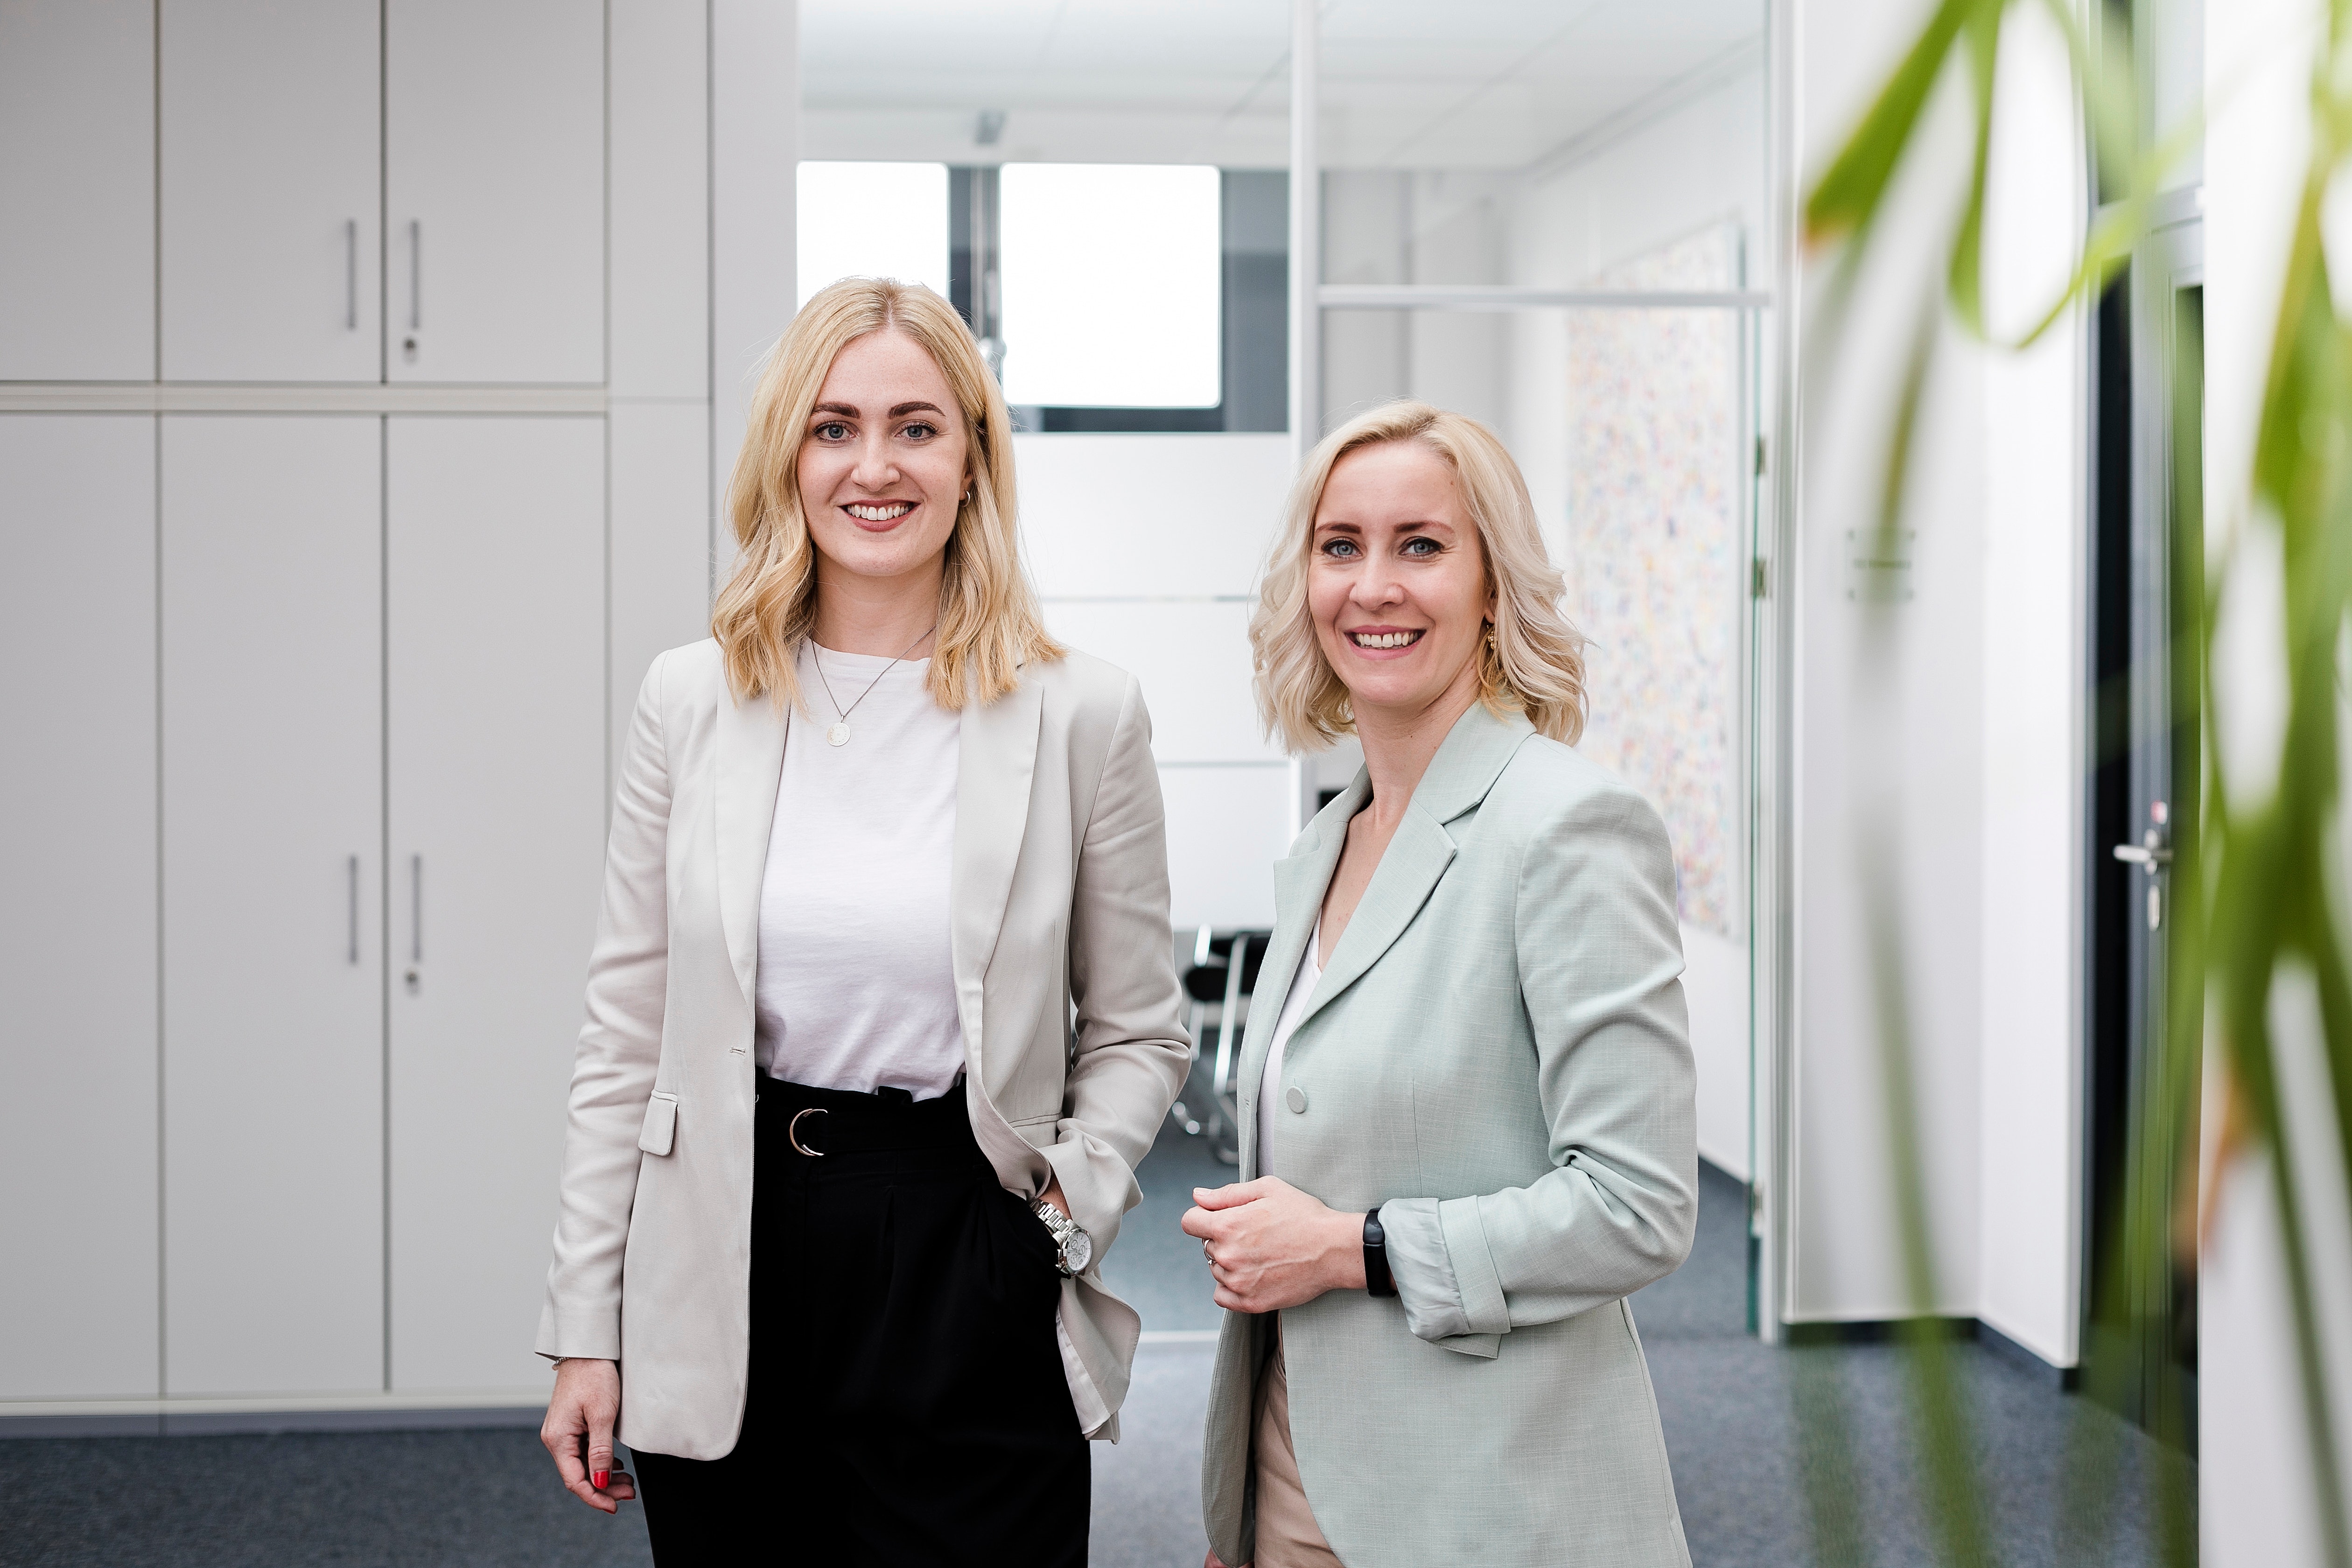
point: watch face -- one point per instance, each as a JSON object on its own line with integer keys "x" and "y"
{"x": 1077, "y": 1251}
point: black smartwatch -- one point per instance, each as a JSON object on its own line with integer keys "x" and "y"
{"x": 1378, "y": 1281}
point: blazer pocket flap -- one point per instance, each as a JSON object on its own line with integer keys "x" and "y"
{"x": 1485, "y": 1346}
{"x": 661, "y": 1124}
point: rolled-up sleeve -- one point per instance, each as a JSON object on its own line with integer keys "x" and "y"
{"x": 1600, "y": 959}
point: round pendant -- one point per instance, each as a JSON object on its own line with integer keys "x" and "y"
{"x": 838, "y": 735}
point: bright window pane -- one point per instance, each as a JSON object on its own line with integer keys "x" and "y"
{"x": 1110, "y": 285}
{"x": 873, "y": 220}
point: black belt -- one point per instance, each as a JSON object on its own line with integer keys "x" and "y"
{"x": 820, "y": 1122}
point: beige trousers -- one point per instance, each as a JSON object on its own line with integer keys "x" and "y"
{"x": 1287, "y": 1535}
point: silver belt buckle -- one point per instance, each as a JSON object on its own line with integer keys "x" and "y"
{"x": 792, "y": 1131}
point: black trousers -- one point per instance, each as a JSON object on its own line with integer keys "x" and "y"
{"x": 908, "y": 1404}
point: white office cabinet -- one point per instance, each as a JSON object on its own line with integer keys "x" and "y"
{"x": 77, "y": 190}
{"x": 78, "y": 1283}
{"x": 273, "y": 895}
{"x": 271, "y": 212}
{"x": 496, "y": 599}
{"x": 495, "y": 191}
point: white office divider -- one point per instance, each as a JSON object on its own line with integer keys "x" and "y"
{"x": 494, "y": 591}
{"x": 1147, "y": 549}
{"x": 253, "y": 1168}
{"x": 273, "y": 879}
{"x": 78, "y": 1148}
{"x": 77, "y": 191}
{"x": 272, "y": 166}
{"x": 494, "y": 191}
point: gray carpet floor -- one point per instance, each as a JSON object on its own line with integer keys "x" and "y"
{"x": 1742, "y": 1456}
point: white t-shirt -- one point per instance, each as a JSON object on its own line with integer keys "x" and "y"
{"x": 856, "y": 976}
{"x": 1269, "y": 1086}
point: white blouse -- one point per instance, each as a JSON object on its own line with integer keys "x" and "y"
{"x": 857, "y": 975}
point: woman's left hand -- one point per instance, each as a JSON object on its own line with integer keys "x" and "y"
{"x": 1271, "y": 1245}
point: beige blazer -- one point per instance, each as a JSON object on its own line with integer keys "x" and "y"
{"x": 1064, "y": 969}
{"x": 1498, "y": 1056}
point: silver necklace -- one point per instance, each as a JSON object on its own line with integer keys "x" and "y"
{"x": 839, "y": 734}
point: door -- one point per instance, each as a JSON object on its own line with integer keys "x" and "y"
{"x": 496, "y": 596}
{"x": 271, "y": 214}
{"x": 2140, "y": 1342}
{"x": 77, "y": 190}
{"x": 77, "y": 928}
{"x": 494, "y": 193}
{"x": 273, "y": 979}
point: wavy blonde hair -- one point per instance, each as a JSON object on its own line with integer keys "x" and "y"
{"x": 1534, "y": 662}
{"x": 990, "y": 624}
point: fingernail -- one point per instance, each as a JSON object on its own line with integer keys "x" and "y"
{"x": 602, "y": 1478}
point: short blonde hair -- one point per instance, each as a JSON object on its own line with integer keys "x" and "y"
{"x": 1534, "y": 664}
{"x": 990, "y": 624}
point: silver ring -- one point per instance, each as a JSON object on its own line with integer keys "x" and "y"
{"x": 1209, "y": 1255}
{"x": 792, "y": 1131}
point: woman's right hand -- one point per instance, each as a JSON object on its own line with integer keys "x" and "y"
{"x": 581, "y": 1416}
{"x": 1216, "y": 1561}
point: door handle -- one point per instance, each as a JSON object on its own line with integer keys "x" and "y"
{"x": 2149, "y": 855}
{"x": 415, "y": 274}
{"x": 416, "y": 923}
{"x": 350, "y": 275}
{"x": 355, "y": 909}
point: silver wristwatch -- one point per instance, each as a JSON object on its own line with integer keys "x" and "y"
{"x": 1076, "y": 1247}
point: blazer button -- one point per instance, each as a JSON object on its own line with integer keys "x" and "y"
{"x": 1296, "y": 1099}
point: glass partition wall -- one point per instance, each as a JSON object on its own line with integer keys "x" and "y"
{"x": 1556, "y": 219}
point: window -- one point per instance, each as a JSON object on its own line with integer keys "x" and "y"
{"x": 1112, "y": 278}
{"x": 873, "y": 220}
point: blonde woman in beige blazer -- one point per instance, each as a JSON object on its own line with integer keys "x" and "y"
{"x": 1466, "y": 1093}
{"x": 882, "y": 1012}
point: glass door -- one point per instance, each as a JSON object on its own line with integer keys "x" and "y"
{"x": 2140, "y": 1342}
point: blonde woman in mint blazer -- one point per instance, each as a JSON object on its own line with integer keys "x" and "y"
{"x": 1466, "y": 1093}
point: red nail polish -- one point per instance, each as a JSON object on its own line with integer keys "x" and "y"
{"x": 601, "y": 1479}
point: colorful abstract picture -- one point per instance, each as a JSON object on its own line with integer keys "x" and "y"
{"x": 1654, "y": 556}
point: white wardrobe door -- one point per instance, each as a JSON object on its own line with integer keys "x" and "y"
{"x": 271, "y": 179}
{"x": 495, "y": 190}
{"x": 273, "y": 891}
{"x": 77, "y": 190}
{"x": 496, "y": 596}
{"x": 78, "y": 1280}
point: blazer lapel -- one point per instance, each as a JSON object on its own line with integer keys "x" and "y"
{"x": 996, "y": 758}
{"x": 1299, "y": 880}
{"x": 1466, "y": 766}
{"x": 750, "y": 760}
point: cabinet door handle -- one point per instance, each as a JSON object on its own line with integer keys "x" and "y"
{"x": 355, "y": 909}
{"x": 417, "y": 909}
{"x": 415, "y": 270}
{"x": 350, "y": 275}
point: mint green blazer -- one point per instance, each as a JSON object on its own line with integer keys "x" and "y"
{"x": 1498, "y": 1057}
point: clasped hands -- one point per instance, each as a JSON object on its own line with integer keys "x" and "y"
{"x": 1270, "y": 1246}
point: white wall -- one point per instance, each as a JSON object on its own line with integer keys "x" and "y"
{"x": 1146, "y": 550}
{"x": 2255, "y": 1478}
{"x": 1939, "y": 743}
{"x": 1887, "y": 737}
{"x": 2034, "y": 636}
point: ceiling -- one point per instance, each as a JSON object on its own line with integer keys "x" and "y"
{"x": 1468, "y": 84}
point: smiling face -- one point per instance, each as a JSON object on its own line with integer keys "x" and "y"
{"x": 883, "y": 461}
{"x": 1397, "y": 586}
